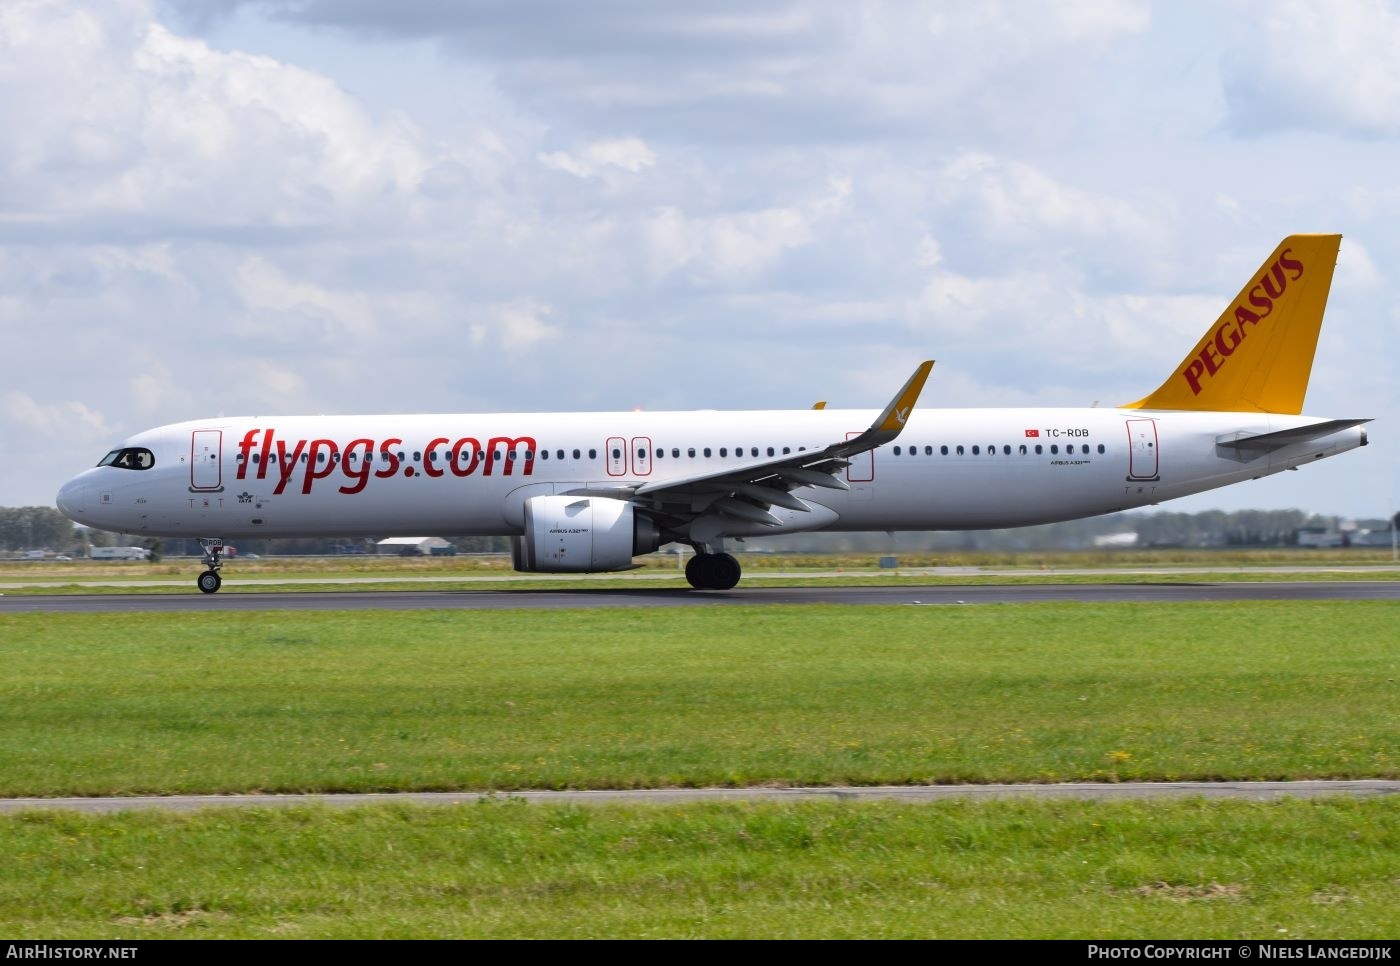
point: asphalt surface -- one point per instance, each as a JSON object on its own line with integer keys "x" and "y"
{"x": 941, "y": 594}
{"x": 1249, "y": 791}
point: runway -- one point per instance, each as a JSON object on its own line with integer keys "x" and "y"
{"x": 1248, "y": 791}
{"x": 642, "y": 596}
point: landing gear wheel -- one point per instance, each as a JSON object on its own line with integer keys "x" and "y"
{"x": 712, "y": 571}
{"x": 210, "y": 581}
{"x": 696, "y": 571}
{"x": 726, "y": 572}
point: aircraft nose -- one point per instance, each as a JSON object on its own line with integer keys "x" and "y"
{"x": 70, "y": 498}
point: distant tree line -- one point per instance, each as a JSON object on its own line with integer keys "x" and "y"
{"x": 36, "y": 528}
{"x": 1211, "y": 528}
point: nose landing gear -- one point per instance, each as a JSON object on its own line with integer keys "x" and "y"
{"x": 210, "y": 581}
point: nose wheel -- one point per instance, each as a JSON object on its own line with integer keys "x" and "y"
{"x": 210, "y": 581}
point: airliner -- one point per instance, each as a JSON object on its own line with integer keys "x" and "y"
{"x": 589, "y": 492}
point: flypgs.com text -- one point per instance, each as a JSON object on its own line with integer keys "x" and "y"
{"x": 263, "y": 455}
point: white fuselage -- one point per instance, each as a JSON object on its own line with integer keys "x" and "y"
{"x": 443, "y": 474}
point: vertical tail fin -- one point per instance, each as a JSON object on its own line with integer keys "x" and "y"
{"x": 1258, "y": 355}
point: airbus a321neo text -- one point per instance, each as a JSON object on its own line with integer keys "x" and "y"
{"x": 587, "y": 492}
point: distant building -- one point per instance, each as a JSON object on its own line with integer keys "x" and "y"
{"x": 411, "y": 546}
{"x": 1116, "y": 540}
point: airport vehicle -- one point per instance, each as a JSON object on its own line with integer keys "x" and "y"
{"x": 119, "y": 553}
{"x": 586, "y": 492}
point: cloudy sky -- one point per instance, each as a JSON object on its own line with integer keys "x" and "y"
{"x": 211, "y": 207}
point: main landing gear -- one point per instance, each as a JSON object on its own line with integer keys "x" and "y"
{"x": 712, "y": 571}
{"x": 210, "y": 581}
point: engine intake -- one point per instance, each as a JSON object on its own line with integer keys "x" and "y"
{"x": 581, "y": 534}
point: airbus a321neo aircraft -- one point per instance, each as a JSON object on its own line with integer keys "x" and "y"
{"x": 586, "y": 492}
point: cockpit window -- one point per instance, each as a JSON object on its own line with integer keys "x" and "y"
{"x": 132, "y": 458}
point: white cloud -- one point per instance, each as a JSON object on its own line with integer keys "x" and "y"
{"x": 286, "y": 309}
{"x": 1013, "y": 203}
{"x": 41, "y": 420}
{"x": 627, "y": 154}
{"x": 732, "y": 247}
{"x": 768, "y": 70}
{"x": 1318, "y": 66}
{"x": 139, "y": 129}
{"x": 514, "y": 327}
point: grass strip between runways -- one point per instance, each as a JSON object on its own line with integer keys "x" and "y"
{"x": 339, "y": 701}
{"x": 1184, "y": 869}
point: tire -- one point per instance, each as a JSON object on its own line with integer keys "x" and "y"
{"x": 712, "y": 571}
{"x": 210, "y": 581}
{"x": 725, "y": 572}
{"x": 696, "y": 571}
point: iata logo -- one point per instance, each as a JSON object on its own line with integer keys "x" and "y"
{"x": 1257, "y": 306}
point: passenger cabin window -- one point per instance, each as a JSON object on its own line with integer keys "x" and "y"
{"x": 1101, "y": 447}
{"x": 131, "y": 458}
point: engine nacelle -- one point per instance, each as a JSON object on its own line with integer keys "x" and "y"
{"x": 581, "y": 534}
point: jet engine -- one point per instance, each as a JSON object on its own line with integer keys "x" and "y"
{"x": 581, "y": 534}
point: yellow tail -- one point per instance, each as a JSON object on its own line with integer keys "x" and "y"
{"x": 1258, "y": 355}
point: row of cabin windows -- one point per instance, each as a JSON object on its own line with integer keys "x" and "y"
{"x": 706, "y": 452}
{"x": 433, "y": 457}
{"x": 1022, "y": 450}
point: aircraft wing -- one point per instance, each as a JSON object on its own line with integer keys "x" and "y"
{"x": 747, "y": 490}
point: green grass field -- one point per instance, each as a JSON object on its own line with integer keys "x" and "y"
{"x": 276, "y": 701}
{"x": 98, "y": 704}
{"x": 1285, "y": 870}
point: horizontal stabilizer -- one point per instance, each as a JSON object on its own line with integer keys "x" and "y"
{"x": 1286, "y": 437}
